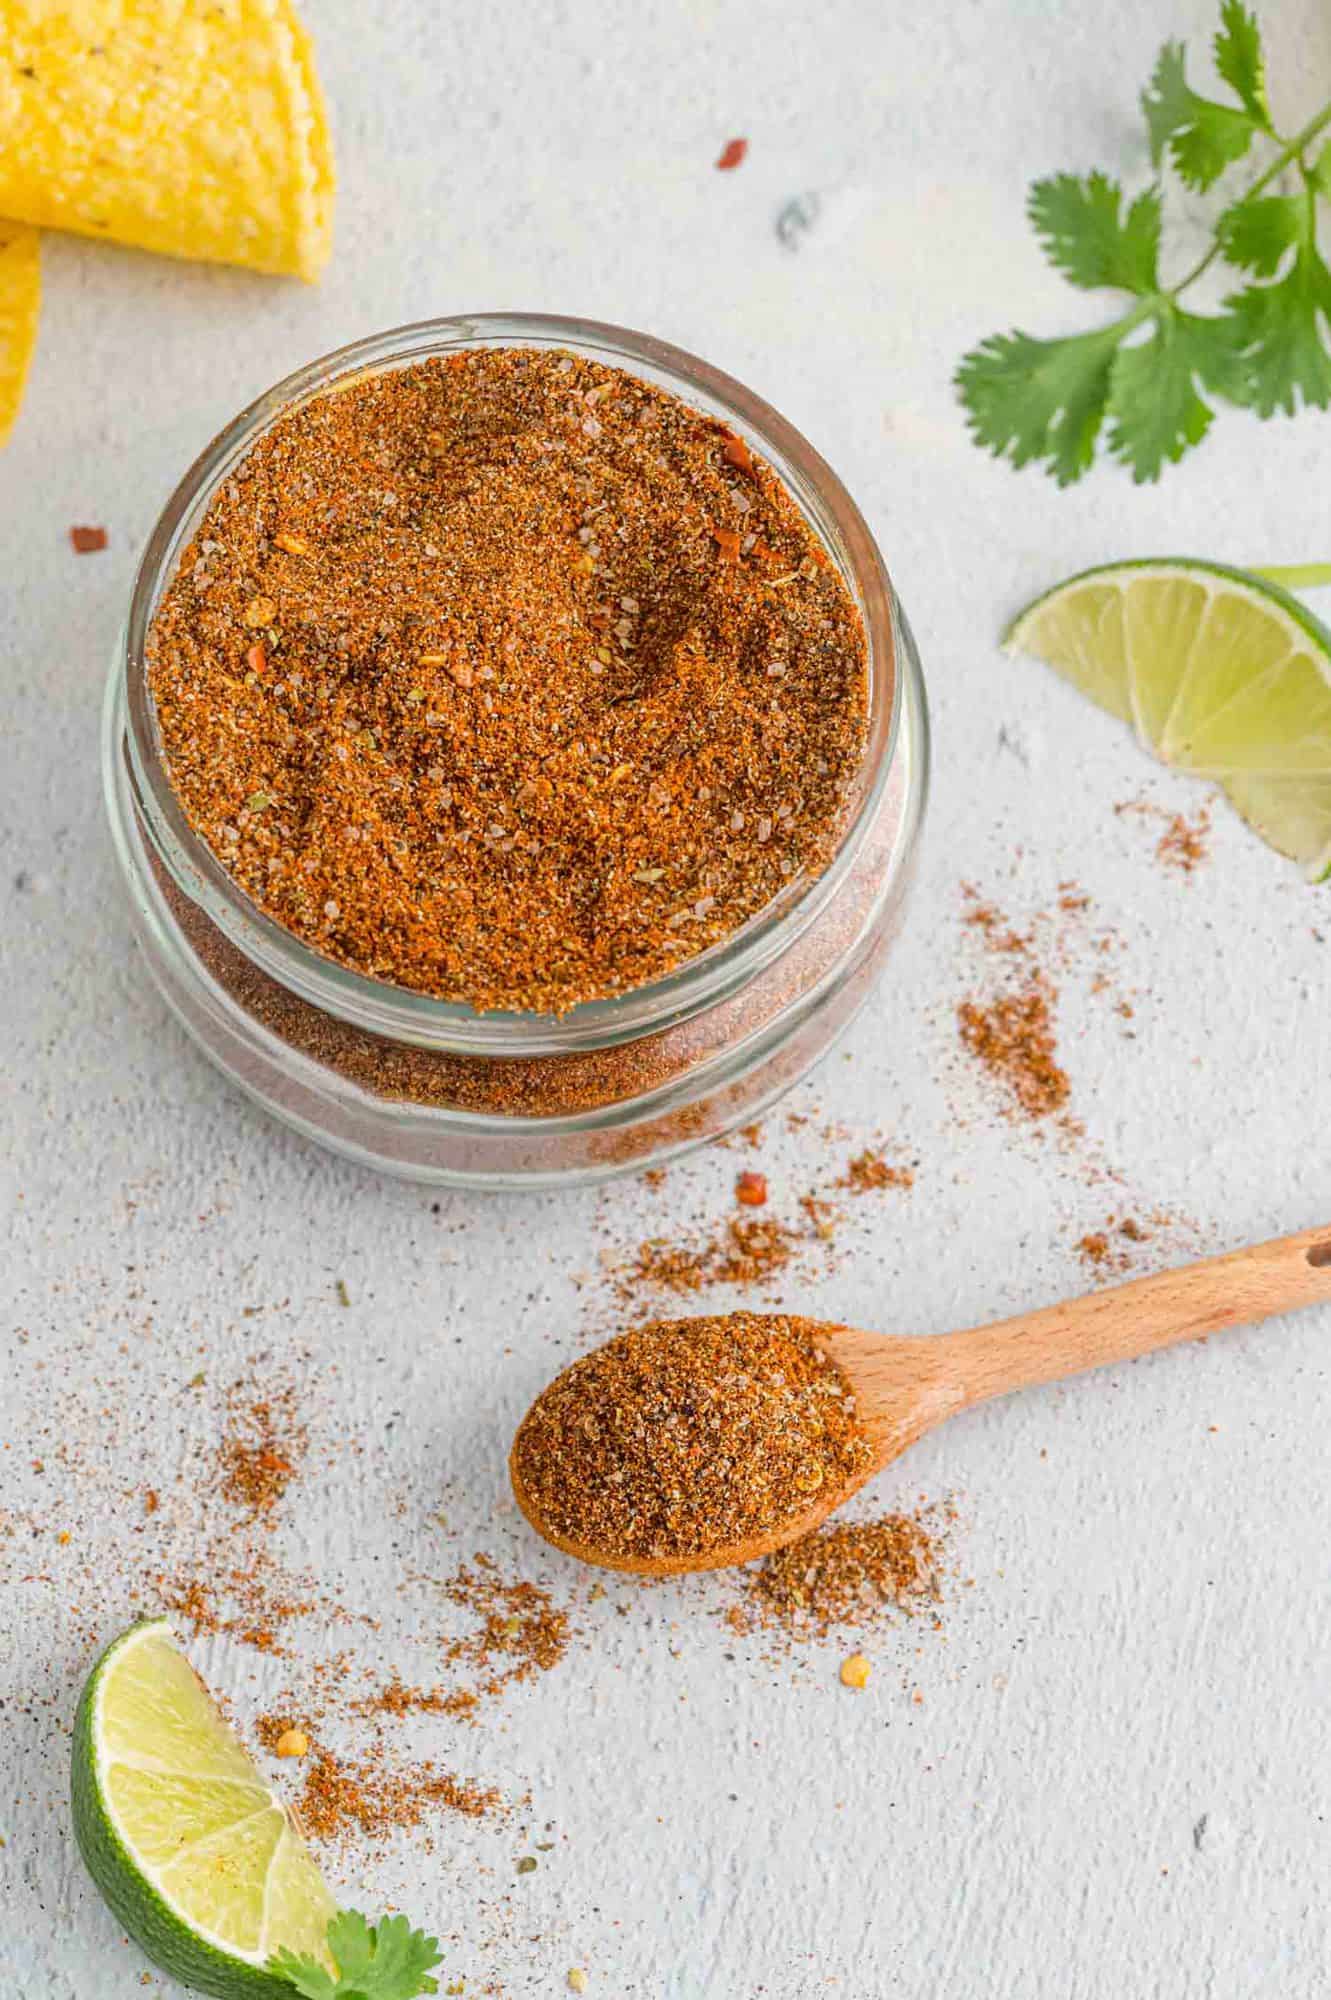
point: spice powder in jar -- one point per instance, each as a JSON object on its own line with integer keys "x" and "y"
{"x": 509, "y": 678}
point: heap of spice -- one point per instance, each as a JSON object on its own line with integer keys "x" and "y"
{"x": 509, "y": 678}
{"x": 261, "y": 1448}
{"x": 1013, "y": 1037}
{"x": 844, "y": 1576}
{"x": 685, "y": 1437}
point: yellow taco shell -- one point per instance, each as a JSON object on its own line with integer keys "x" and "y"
{"x": 20, "y": 302}
{"x": 192, "y": 127}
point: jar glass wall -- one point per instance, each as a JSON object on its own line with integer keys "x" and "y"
{"x": 432, "y": 1089}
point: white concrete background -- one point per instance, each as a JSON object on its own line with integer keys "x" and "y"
{"x": 1116, "y": 1782}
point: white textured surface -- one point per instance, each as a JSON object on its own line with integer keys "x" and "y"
{"x": 1116, "y": 1781}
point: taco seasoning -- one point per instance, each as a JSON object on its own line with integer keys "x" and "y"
{"x": 516, "y": 768}
{"x": 688, "y": 1436}
{"x": 509, "y": 678}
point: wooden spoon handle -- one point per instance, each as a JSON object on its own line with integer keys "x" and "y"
{"x": 1123, "y": 1321}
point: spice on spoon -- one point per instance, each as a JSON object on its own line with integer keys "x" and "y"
{"x": 688, "y": 1436}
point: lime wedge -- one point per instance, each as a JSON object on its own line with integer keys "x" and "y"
{"x": 195, "y": 1854}
{"x": 1220, "y": 673}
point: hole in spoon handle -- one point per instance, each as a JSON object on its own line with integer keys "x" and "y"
{"x": 1319, "y": 1254}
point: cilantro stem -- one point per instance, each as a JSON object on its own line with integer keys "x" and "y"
{"x": 1295, "y": 576}
{"x": 1290, "y": 150}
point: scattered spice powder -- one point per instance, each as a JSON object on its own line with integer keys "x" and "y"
{"x": 845, "y": 1576}
{"x": 233, "y": 1582}
{"x": 1109, "y": 1251}
{"x": 869, "y": 1172}
{"x": 744, "y": 1251}
{"x": 261, "y": 1449}
{"x": 520, "y": 1632}
{"x": 87, "y": 541}
{"x": 341, "y": 1794}
{"x": 1184, "y": 842}
{"x": 1013, "y": 1037}
{"x": 397, "y": 1699}
{"x": 999, "y": 935}
{"x": 1058, "y": 934}
{"x": 257, "y": 1591}
{"x": 520, "y": 1623}
{"x": 558, "y": 688}
{"x": 686, "y": 1437}
{"x": 821, "y": 1214}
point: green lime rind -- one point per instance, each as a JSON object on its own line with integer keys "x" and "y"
{"x": 159, "y": 1933}
{"x": 1317, "y": 631}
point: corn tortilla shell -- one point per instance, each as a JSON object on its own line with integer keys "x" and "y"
{"x": 191, "y": 127}
{"x": 20, "y": 302}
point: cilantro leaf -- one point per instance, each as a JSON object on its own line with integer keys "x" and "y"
{"x": 1039, "y": 399}
{"x": 1239, "y": 60}
{"x": 384, "y": 1961}
{"x": 1149, "y": 382}
{"x": 312, "y": 1981}
{"x": 1200, "y": 136}
{"x": 1084, "y": 236}
{"x": 1280, "y": 329}
{"x": 1255, "y": 234}
{"x": 1155, "y": 409}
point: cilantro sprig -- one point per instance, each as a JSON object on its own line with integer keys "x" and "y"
{"x": 1148, "y": 382}
{"x": 384, "y": 1961}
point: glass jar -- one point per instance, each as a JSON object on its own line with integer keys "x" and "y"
{"x": 434, "y": 1090}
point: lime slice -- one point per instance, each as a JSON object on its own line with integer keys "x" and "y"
{"x": 195, "y": 1854}
{"x": 1220, "y": 673}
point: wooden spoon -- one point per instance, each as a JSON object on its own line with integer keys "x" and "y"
{"x": 904, "y": 1387}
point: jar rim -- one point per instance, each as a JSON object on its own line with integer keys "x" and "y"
{"x": 398, "y": 1012}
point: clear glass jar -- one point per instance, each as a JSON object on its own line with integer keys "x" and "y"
{"x": 433, "y": 1090}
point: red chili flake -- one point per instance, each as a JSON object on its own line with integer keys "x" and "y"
{"x": 257, "y": 659}
{"x": 731, "y": 154}
{"x": 751, "y": 1189}
{"x": 87, "y": 541}
{"x": 735, "y": 452}
{"x": 727, "y": 543}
